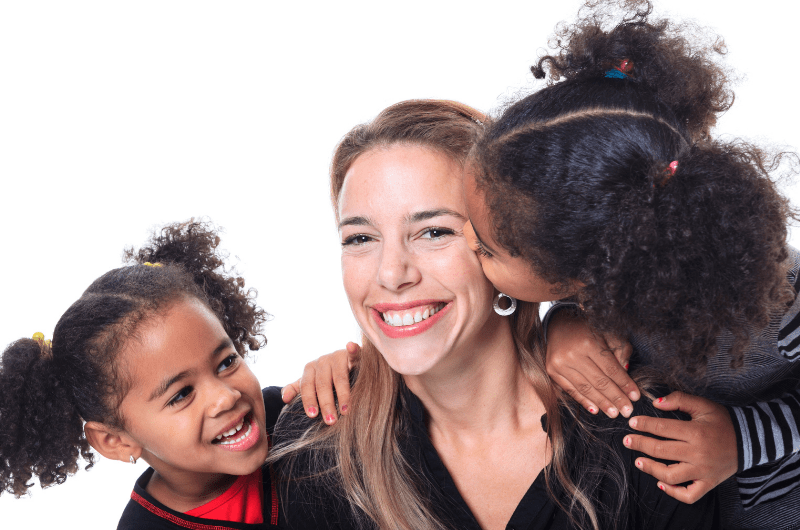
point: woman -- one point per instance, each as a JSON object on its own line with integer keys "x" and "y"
{"x": 453, "y": 422}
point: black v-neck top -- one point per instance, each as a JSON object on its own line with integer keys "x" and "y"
{"x": 312, "y": 504}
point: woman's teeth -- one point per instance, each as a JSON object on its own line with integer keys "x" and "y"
{"x": 407, "y": 318}
{"x": 231, "y": 432}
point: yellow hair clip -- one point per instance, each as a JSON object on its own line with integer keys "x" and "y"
{"x": 148, "y": 264}
{"x": 39, "y": 337}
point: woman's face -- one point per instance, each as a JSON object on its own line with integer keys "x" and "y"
{"x": 510, "y": 275}
{"x": 414, "y": 285}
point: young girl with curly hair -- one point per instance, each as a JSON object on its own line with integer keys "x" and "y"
{"x": 606, "y": 188}
{"x": 149, "y": 363}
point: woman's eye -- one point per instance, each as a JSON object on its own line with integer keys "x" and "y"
{"x": 182, "y": 394}
{"x": 357, "y": 239}
{"x": 436, "y": 233}
{"x": 230, "y": 361}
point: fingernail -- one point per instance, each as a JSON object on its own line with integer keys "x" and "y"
{"x": 592, "y": 410}
{"x": 329, "y": 418}
{"x": 627, "y": 441}
{"x": 632, "y": 422}
{"x": 638, "y": 463}
{"x": 660, "y": 486}
{"x": 634, "y": 396}
{"x": 660, "y": 400}
{"x": 344, "y": 408}
{"x": 626, "y": 365}
{"x": 312, "y": 411}
{"x": 613, "y": 412}
{"x": 282, "y": 392}
{"x": 626, "y": 411}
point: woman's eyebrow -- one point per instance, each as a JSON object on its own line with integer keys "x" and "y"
{"x": 355, "y": 221}
{"x": 430, "y": 214}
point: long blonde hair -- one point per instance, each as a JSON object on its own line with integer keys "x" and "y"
{"x": 360, "y": 456}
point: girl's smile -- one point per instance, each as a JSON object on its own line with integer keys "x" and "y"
{"x": 195, "y": 411}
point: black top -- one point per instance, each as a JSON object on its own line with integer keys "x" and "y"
{"x": 310, "y": 504}
{"x": 145, "y": 512}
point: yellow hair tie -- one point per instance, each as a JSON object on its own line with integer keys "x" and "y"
{"x": 148, "y": 264}
{"x": 38, "y": 336}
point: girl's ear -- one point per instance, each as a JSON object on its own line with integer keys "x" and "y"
{"x": 111, "y": 443}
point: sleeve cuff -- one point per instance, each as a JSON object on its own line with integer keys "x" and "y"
{"x": 744, "y": 457}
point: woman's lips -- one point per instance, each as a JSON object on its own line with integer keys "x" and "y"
{"x": 410, "y": 316}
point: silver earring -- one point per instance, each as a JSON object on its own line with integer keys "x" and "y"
{"x": 512, "y": 305}
{"x": 132, "y": 460}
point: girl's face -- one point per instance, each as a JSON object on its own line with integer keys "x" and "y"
{"x": 510, "y": 275}
{"x": 194, "y": 408}
{"x": 413, "y": 283}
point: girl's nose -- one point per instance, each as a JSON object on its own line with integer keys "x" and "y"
{"x": 397, "y": 269}
{"x": 223, "y": 399}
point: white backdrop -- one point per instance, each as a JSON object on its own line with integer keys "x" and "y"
{"x": 119, "y": 117}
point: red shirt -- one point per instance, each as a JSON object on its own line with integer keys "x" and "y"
{"x": 241, "y": 503}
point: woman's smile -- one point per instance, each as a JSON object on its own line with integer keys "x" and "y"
{"x": 405, "y": 320}
{"x": 415, "y": 287}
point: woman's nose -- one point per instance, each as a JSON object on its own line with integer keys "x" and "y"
{"x": 397, "y": 269}
{"x": 223, "y": 398}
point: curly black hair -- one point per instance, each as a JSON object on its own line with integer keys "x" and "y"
{"x": 47, "y": 391}
{"x": 577, "y": 181}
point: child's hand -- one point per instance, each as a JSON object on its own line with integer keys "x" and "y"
{"x": 320, "y": 377}
{"x": 704, "y": 448}
{"x": 589, "y": 367}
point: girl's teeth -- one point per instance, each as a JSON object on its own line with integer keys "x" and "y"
{"x": 240, "y": 438}
{"x": 231, "y": 432}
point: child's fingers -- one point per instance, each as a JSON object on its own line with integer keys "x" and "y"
{"x": 686, "y": 494}
{"x": 668, "y": 474}
{"x": 567, "y": 387}
{"x": 622, "y": 351}
{"x": 353, "y": 356}
{"x": 664, "y": 427}
{"x": 341, "y": 381}
{"x": 662, "y": 449}
{"x": 308, "y": 390}
{"x": 591, "y": 381}
{"x": 290, "y": 391}
{"x": 324, "y": 388}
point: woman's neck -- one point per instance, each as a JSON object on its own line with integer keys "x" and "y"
{"x": 481, "y": 391}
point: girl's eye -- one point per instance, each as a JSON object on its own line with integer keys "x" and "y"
{"x": 229, "y": 362}
{"x": 357, "y": 239}
{"x": 481, "y": 251}
{"x": 436, "y": 233}
{"x": 182, "y": 394}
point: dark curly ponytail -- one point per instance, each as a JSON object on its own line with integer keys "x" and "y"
{"x": 577, "y": 180}
{"x": 47, "y": 392}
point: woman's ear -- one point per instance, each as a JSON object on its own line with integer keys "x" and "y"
{"x": 111, "y": 443}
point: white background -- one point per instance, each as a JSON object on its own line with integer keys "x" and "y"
{"x": 118, "y": 117}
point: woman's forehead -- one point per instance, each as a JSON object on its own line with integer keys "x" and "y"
{"x": 402, "y": 177}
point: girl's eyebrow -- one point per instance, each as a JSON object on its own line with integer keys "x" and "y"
{"x": 168, "y": 382}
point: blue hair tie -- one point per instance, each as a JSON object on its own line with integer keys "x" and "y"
{"x": 616, "y": 74}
